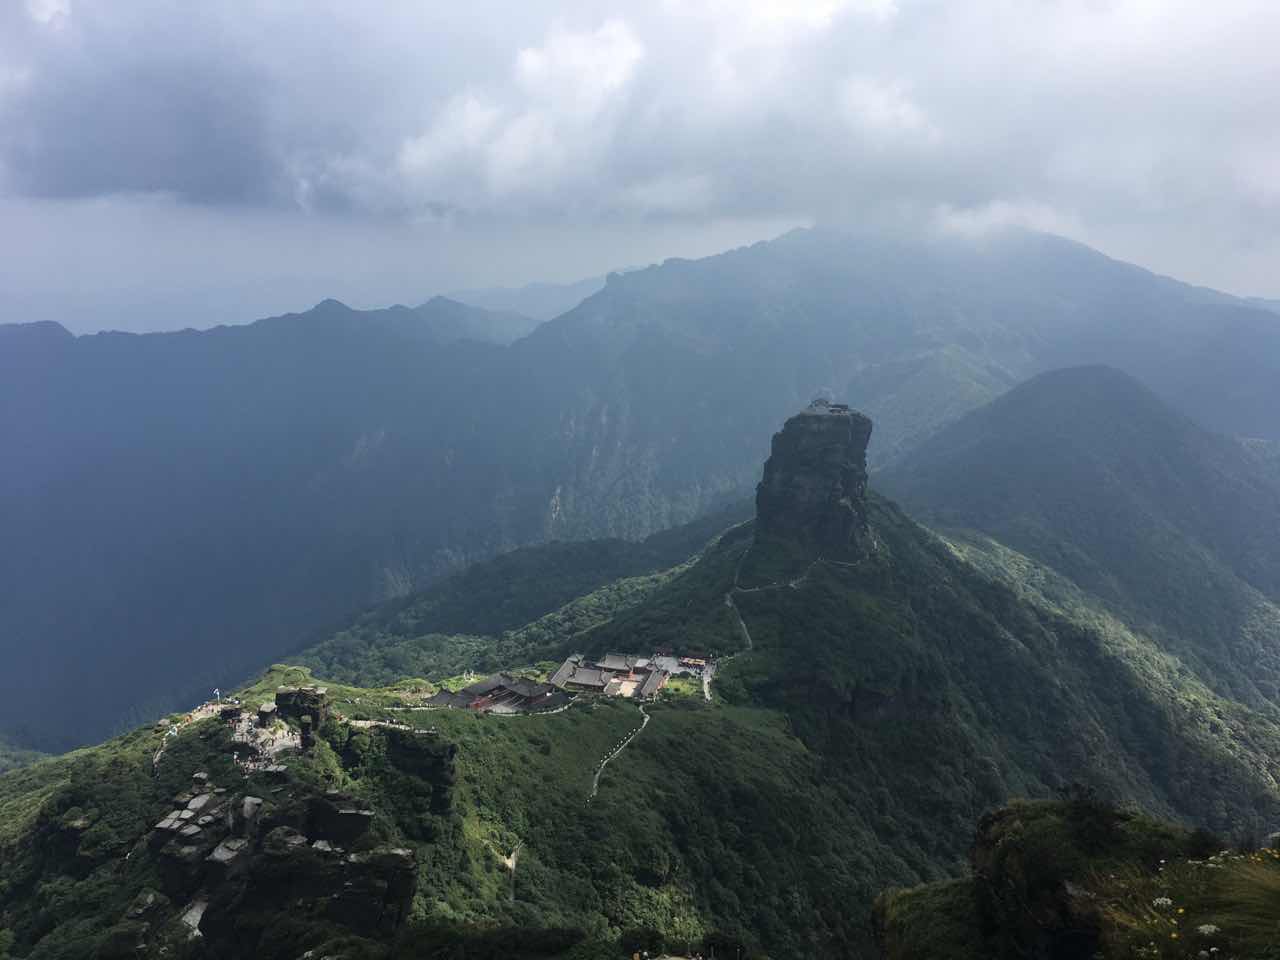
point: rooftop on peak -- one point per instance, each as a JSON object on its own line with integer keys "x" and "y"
{"x": 823, "y": 407}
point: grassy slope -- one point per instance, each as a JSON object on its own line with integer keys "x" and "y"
{"x": 522, "y": 607}
{"x": 681, "y": 838}
{"x": 1052, "y": 878}
{"x": 1173, "y": 527}
{"x": 882, "y": 708}
{"x": 928, "y": 690}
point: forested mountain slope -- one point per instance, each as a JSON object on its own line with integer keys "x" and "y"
{"x": 885, "y": 692}
{"x": 529, "y": 605}
{"x": 1175, "y": 528}
{"x": 231, "y": 491}
{"x": 538, "y": 301}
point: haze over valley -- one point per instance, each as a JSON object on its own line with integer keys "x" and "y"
{"x": 769, "y": 481}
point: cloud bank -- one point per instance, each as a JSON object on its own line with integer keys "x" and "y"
{"x": 1151, "y": 128}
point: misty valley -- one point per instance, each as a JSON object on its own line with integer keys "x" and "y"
{"x": 757, "y": 481}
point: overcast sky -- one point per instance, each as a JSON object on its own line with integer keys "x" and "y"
{"x": 165, "y": 164}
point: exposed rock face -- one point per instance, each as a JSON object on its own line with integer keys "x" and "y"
{"x": 247, "y": 862}
{"x": 294, "y": 703}
{"x": 815, "y": 480}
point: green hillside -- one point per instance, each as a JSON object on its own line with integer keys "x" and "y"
{"x": 1174, "y": 528}
{"x": 1082, "y": 878}
{"x": 248, "y": 486}
{"x": 525, "y": 606}
{"x": 12, "y": 757}
{"x": 874, "y": 696}
{"x": 879, "y": 711}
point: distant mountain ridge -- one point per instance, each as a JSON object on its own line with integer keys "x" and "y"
{"x": 248, "y": 485}
{"x": 1090, "y": 473}
{"x": 540, "y": 301}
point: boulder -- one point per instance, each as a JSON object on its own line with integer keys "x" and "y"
{"x": 181, "y": 868}
{"x": 228, "y": 850}
{"x": 147, "y": 905}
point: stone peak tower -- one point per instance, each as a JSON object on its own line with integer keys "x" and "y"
{"x": 815, "y": 481}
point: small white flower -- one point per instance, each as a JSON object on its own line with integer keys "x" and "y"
{"x": 1162, "y": 903}
{"x": 1207, "y": 929}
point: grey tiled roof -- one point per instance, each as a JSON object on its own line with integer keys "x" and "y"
{"x": 528, "y": 688}
{"x": 651, "y": 683}
{"x": 587, "y": 677}
{"x": 617, "y": 661}
{"x": 566, "y": 670}
{"x": 481, "y": 687}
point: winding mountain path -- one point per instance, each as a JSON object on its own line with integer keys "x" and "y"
{"x": 206, "y": 710}
{"x": 793, "y": 584}
{"x": 622, "y": 745}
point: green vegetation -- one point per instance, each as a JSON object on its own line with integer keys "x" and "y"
{"x": 687, "y": 613}
{"x": 883, "y": 706}
{"x": 366, "y": 653}
{"x": 12, "y": 757}
{"x": 674, "y": 850}
{"x": 682, "y": 686}
{"x": 938, "y": 920}
{"x": 523, "y": 607}
{"x": 257, "y": 483}
{"x": 1167, "y": 526}
{"x": 867, "y": 710}
{"x": 1080, "y": 877}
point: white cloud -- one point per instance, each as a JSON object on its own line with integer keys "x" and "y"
{"x": 1257, "y": 171}
{"x": 674, "y": 194}
{"x": 778, "y": 18}
{"x": 1002, "y": 214}
{"x": 883, "y": 111}
{"x": 466, "y": 124}
{"x": 554, "y": 128}
{"x": 580, "y": 73}
{"x": 52, "y": 13}
{"x": 1110, "y": 118}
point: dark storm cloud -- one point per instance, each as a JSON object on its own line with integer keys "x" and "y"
{"x": 1145, "y": 127}
{"x": 177, "y": 124}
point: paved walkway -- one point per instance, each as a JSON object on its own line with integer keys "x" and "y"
{"x": 622, "y": 745}
{"x": 263, "y": 743}
{"x": 209, "y": 708}
{"x": 793, "y": 584}
{"x": 389, "y": 725}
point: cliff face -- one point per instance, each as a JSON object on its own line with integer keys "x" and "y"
{"x": 815, "y": 481}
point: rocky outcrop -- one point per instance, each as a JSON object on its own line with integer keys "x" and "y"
{"x": 295, "y": 703}
{"x": 237, "y": 870}
{"x": 815, "y": 481}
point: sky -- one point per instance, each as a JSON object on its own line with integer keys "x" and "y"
{"x": 167, "y": 164}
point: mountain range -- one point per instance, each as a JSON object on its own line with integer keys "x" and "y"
{"x": 880, "y": 686}
{"x": 183, "y": 507}
{"x": 1167, "y": 525}
{"x": 539, "y": 301}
